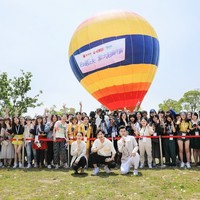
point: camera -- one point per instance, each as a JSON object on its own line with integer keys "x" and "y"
{"x": 92, "y": 121}
{"x": 102, "y": 115}
{"x": 194, "y": 126}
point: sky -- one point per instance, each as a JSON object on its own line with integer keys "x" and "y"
{"x": 35, "y": 36}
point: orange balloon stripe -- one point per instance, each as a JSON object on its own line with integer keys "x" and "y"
{"x": 119, "y": 75}
{"x": 122, "y": 100}
{"x": 128, "y": 87}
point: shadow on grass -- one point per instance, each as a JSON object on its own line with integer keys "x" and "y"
{"x": 79, "y": 175}
{"x": 106, "y": 175}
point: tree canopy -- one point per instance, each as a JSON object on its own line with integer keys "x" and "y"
{"x": 189, "y": 102}
{"x": 14, "y": 94}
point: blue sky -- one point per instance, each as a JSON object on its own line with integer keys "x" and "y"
{"x": 35, "y": 36}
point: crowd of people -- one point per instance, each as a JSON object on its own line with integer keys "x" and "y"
{"x": 102, "y": 138}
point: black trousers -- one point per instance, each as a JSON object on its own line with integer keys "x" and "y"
{"x": 170, "y": 151}
{"x": 40, "y": 156}
{"x": 97, "y": 159}
{"x": 49, "y": 152}
{"x": 82, "y": 163}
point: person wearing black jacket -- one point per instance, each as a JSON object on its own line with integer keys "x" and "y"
{"x": 170, "y": 143}
{"x": 39, "y": 145}
{"x": 158, "y": 128}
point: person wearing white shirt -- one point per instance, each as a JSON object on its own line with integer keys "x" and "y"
{"x": 103, "y": 152}
{"x": 78, "y": 151}
{"x": 128, "y": 146}
{"x": 60, "y": 133}
{"x": 145, "y": 142}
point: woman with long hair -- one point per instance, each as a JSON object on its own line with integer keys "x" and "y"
{"x": 184, "y": 127}
{"x": 78, "y": 151}
{"x": 145, "y": 142}
{"x": 17, "y": 133}
{"x": 195, "y": 142}
{"x": 49, "y": 126}
{"x": 86, "y": 129}
{"x": 7, "y": 150}
{"x": 28, "y": 140}
{"x": 39, "y": 145}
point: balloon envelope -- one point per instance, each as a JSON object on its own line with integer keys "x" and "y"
{"x": 115, "y": 55}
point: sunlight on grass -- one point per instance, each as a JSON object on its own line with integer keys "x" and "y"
{"x": 63, "y": 184}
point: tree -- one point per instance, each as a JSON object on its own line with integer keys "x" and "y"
{"x": 191, "y": 100}
{"x": 170, "y": 103}
{"x": 14, "y": 94}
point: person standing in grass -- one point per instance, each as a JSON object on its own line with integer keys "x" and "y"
{"x": 170, "y": 143}
{"x": 28, "y": 140}
{"x": 103, "y": 152}
{"x": 195, "y": 142}
{"x": 49, "y": 126}
{"x": 60, "y": 132}
{"x": 128, "y": 146}
{"x": 184, "y": 127}
{"x": 39, "y": 145}
{"x": 7, "y": 151}
{"x": 78, "y": 151}
{"x": 145, "y": 142}
{"x": 17, "y": 133}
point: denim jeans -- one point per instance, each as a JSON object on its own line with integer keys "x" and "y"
{"x": 29, "y": 150}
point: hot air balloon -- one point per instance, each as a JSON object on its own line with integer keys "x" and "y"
{"x": 114, "y": 55}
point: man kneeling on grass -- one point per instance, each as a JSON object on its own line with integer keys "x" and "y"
{"x": 128, "y": 146}
{"x": 103, "y": 152}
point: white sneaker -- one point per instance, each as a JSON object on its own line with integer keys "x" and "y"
{"x": 28, "y": 166}
{"x": 188, "y": 165}
{"x": 56, "y": 166}
{"x": 135, "y": 172}
{"x": 141, "y": 166}
{"x": 35, "y": 165}
{"x": 15, "y": 166}
{"x": 107, "y": 170}
{"x": 66, "y": 166}
{"x": 20, "y": 165}
{"x": 96, "y": 171}
{"x": 49, "y": 166}
{"x": 182, "y": 165}
{"x": 150, "y": 166}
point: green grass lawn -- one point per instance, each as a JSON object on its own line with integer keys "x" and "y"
{"x": 63, "y": 184}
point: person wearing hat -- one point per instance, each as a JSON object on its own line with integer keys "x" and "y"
{"x": 152, "y": 112}
{"x": 103, "y": 152}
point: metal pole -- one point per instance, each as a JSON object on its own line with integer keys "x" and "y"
{"x": 68, "y": 153}
{"x": 161, "y": 153}
{"x": 23, "y": 156}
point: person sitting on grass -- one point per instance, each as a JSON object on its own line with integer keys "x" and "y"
{"x": 128, "y": 146}
{"x": 103, "y": 152}
{"x": 78, "y": 151}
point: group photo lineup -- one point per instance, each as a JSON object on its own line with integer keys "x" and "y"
{"x": 99, "y": 100}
